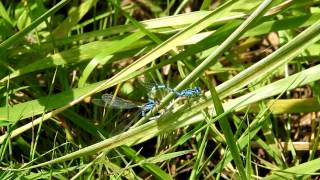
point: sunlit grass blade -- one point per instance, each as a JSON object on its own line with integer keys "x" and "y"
{"x": 303, "y": 170}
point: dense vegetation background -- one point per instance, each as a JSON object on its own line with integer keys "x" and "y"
{"x": 256, "y": 62}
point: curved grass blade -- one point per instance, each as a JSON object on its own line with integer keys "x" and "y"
{"x": 73, "y": 18}
{"x": 15, "y": 38}
{"x": 106, "y": 55}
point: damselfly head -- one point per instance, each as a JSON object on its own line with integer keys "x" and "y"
{"x": 197, "y": 90}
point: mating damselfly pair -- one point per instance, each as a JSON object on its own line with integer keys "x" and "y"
{"x": 109, "y": 101}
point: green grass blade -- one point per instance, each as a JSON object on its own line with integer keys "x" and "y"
{"x": 74, "y": 17}
{"x": 296, "y": 172}
{"x": 106, "y": 55}
{"x": 15, "y": 38}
